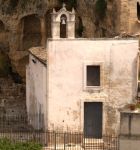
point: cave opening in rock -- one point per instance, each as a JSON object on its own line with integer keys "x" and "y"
{"x": 138, "y": 10}
{"x": 2, "y": 27}
{"x": 31, "y": 32}
{"x": 80, "y": 28}
{"x": 4, "y": 45}
{"x": 4, "y": 64}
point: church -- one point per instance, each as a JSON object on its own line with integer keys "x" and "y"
{"x": 79, "y": 84}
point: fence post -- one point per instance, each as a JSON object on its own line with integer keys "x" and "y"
{"x": 84, "y": 140}
{"x": 64, "y": 141}
{"x": 55, "y": 140}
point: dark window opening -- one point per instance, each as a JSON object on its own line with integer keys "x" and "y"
{"x": 63, "y": 26}
{"x": 138, "y": 10}
{"x": 93, "y": 75}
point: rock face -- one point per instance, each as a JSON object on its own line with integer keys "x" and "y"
{"x": 12, "y": 98}
{"x": 24, "y": 24}
{"x": 129, "y": 16}
{"x": 95, "y": 25}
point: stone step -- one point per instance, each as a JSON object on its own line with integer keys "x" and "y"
{"x": 94, "y": 144}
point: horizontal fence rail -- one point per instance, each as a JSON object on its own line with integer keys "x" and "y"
{"x": 53, "y": 140}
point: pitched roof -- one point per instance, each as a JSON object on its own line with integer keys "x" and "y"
{"x": 40, "y": 53}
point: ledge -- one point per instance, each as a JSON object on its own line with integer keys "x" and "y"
{"x": 94, "y": 39}
{"x": 130, "y": 137}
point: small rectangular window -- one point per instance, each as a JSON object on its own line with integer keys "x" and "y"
{"x": 93, "y": 75}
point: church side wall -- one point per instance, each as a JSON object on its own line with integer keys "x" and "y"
{"x": 36, "y": 92}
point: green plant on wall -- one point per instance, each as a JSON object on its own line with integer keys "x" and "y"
{"x": 100, "y": 8}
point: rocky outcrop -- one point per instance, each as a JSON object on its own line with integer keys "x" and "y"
{"x": 26, "y": 23}
{"x": 12, "y": 98}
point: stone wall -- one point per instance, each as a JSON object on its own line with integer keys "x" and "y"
{"x": 130, "y": 130}
{"x": 12, "y": 98}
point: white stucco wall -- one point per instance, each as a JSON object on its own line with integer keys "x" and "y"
{"x": 65, "y": 80}
{"x": 36, "y": 92}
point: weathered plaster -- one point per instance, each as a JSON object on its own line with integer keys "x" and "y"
{"x": 65, "y": 82}
{"x": 36, "y": 92}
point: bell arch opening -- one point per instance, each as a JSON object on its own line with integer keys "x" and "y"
{"x": 138, "y": 10}
{"x": 63, "y": 26}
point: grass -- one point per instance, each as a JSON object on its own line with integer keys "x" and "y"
{"x": 6, "y": 144}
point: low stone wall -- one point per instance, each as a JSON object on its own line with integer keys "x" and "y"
{"x": 130, "y": 131}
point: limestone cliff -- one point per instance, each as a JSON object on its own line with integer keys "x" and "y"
{"x": 26, "y": 23}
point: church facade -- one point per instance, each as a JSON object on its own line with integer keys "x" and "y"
{"x": 80, "y": 84}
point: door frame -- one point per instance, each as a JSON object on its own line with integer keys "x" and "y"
{"x": 102, "y": 100}
{"x": 93, "y": 104}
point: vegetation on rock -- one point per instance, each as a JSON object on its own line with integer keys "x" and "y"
{"x": 71, "y": 3}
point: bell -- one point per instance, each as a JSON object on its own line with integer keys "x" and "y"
{"x": 63, "y": 21}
